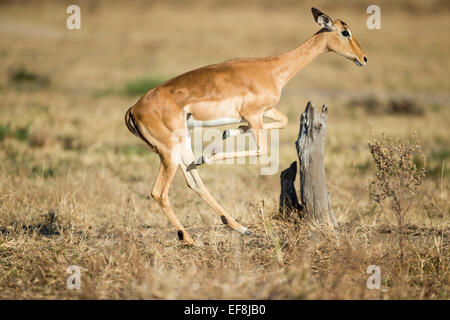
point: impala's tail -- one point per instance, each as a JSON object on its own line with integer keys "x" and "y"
{"x": 130, "y": 124}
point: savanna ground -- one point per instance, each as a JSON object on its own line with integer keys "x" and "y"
{"x": 75, "y": 184}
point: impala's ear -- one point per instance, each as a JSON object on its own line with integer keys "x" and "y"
{"x": 321, "y": 18}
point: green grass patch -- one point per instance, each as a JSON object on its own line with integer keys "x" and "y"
{"x": 364, "y": 166}
{"x": 5, "y": 131}
{"x": 19, "y": 133}
{"x": 439, "y": 161}
{"x": 24, "y": 162}
{"x": 140, "y": 86}
{"x": 50, "y": 168}
{"x": 440, "y": 155}
{"x": 136, "y": 87}
{"x": 22, "y": 133}
{"x": 25, "y": 79}
{"x": 43, "y": 172}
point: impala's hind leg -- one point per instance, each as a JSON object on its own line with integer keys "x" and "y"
{"x": 160, "y": 193}
{"x": 164, "y": 141}
{"x": 194, "y": 181}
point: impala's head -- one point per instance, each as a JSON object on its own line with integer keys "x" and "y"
{"x": 339, "y": 38}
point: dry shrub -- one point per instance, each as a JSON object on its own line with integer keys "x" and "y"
{"x": 397, "y": 176}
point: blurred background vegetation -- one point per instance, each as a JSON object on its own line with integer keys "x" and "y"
{"x": 64, "y": 147}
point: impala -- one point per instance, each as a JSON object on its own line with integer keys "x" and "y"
{"x": 234, "y": 91}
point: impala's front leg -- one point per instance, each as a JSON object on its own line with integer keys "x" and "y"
{"x": 257, "y": 130}
{"x": 280, "y": 121}
{"x": 257, "y": 127}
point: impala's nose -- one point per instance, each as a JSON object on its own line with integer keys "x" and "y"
{"x": 365, "y": 59}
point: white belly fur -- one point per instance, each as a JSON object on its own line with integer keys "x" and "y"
{"x": 192, "y": 123}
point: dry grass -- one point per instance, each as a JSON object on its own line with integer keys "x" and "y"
{"x": 75, "y": 184}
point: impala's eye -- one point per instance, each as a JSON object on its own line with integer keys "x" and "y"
{"x": 345, "y": 33}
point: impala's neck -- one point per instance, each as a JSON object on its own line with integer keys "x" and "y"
{"x": 290, "y": 63}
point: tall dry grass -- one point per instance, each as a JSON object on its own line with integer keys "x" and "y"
{"x": 75, "y": 184}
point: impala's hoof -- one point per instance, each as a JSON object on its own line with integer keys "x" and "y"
{"x": 202, "y": 160}
{"x": 185, "y": 238}
{"x": 244, "y": 230}
{"x": 232, "y": 132}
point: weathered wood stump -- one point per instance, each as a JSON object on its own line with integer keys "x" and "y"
{"x": 315, "y": 199}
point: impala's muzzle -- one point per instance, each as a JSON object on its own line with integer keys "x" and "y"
{"x": 359, "y": 63}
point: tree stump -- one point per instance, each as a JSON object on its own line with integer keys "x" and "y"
{"x": 288, "y": 197}
{"x": 315, "y": 199}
